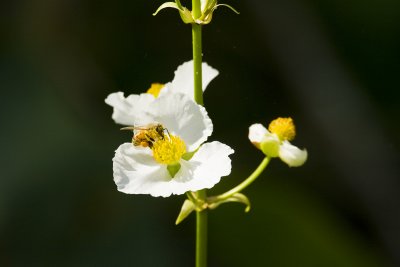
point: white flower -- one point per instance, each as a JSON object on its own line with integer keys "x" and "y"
{"x": 130, "y": 109}
{"x": 183, "y": 81}
{"x": 172, "y": 160}
{"x": 275, "y": 142}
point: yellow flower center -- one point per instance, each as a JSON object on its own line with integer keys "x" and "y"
{"x": 284, "y": 128}
{"x": 155, "y": 89}
{"x": 169, "y": 150}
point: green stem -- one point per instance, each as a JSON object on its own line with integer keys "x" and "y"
{"x": 246, "y": 182}
{"x": 197, "y": 58}
{"x": 201, "y": 233}
{"x": 193, "y": 198}
{"x": 201, "y": 216}
{"x": 196, "y": 9}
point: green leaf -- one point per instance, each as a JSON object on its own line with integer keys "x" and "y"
{"x": 186, "y": 209}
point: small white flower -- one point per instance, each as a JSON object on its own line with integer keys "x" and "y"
{"x": 275, "y": 142}
{"x": 176, "y": 161}
{"x": 129, "y": 110}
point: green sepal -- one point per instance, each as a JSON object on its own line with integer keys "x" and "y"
{"x": 187, "y": 156}
{"x": 237, "y": 197}
{"x": 209, "y": 7}
{"x": 173, "y": 169}
{"x": 205, "y": 19}
{"x": 186, "y": 15}
{"x": 270, "y": 148}
{"x": 228, "y": 6}
{"x": 209, "y": 10}
{"x": 178, "y": 3}
{"x": 186, "y": 209}
{"x": 167, "y": 5}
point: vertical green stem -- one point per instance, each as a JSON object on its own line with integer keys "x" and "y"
{"x": 201, "y": 234}
{"x": 196, "y": 8}
{"x": 201, "y": 216}
{"x": 197, "y": 60}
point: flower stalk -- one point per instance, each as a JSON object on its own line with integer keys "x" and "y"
{"x": 237, "y": 189}
{"x": 201, "y": 233}
{"x": 196, "y": 9}
{"x": 201, "y": 216}
{"x": 197, "y": 61}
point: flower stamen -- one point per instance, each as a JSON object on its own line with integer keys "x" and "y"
{"x": 284, "y": 128}
{"x": 155, "y": 89}
{"x": 169, "y": 150}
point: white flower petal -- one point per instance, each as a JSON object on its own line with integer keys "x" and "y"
{"x": 183, "y": 81}
{"x": 130, "y": 110}
{"x": 136, "y": 172}
{"x": 183, "y": 180}
{"x": 182, "y": 117}
{"x": 204, "y": 170}
{"x": 213, "y": 162}
{"x": 292, "y": 155}
{"x": 257, "y": 133}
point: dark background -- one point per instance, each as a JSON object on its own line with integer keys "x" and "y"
{"x": 332, "y": 65}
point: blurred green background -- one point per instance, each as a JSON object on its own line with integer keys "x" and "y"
{"x": 332, "y": 65}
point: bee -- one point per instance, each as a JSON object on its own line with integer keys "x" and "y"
{"x": 146, "y": 135}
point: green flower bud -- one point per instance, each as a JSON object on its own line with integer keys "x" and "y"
{"x": 207, "y": 9}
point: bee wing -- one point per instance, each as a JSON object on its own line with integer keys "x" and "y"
{"x": 129, "y": 128}
{"x": 140, "y": 128}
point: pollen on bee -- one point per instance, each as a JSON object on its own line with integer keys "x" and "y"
{"x": 145, "y": 136}
{"x": 140, "y": 139}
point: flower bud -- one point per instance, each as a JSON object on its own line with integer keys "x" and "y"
{"x": 207, "y": 9}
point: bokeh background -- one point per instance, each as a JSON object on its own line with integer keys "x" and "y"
{"x": 332, "y": 65}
